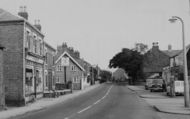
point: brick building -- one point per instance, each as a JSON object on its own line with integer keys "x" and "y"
{"x": 49, "y": 69}
{"x": 2, "y": 88}
{"x": 23, "y": 58}
{"x": 74, "y": 70}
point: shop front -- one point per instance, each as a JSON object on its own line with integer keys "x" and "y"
{"x": 33, "y": 79}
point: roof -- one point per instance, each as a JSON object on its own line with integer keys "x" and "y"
{"x": 51, "y": 47}
{"x": 171, "y": 53}
{"x": 74, "y": 60}
{"x": 9, "y": 17}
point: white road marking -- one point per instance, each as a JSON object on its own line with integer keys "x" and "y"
{"x": 93, "y": 103}
{"x": 84, "y": 109}
{"x": 97, "y": 102}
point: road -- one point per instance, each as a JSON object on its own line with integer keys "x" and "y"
{"x": 109, "y": 101}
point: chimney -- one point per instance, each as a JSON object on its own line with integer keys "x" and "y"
{"x": 59, "y": 48}
{"x": 23, "y": 12}
{"x": 37, "y": 24}
{"x": 169, "y": 47}
{"x": 155, "y": 45}
{"x": 77, "y": 54}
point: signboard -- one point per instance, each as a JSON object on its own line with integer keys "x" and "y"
{"x": 65, "y": 61}
{"x": 34, "y": 59}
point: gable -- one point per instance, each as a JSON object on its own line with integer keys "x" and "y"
{"x": 70, "y": 58}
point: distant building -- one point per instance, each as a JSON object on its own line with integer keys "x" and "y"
{"x": 49, "y": 67}
{"x": 154, "y": 61}
{"x": 23, "y": 58}
{"x": 120, "y": 75}
{"x": 2, "y": 86}
{"x": 141, "y": 48}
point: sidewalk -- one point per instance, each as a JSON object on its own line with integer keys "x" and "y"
{"x": 161, "y": 102}
{"x": 43, "y": 103}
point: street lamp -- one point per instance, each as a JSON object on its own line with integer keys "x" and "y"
{"x": 186, "y": 84}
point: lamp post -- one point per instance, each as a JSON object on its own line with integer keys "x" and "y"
{"x": 186, "y": 84}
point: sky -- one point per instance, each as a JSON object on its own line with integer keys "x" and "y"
{"x": 101, "y": 28}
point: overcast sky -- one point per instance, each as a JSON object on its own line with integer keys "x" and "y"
{"x": 100, "y": 28}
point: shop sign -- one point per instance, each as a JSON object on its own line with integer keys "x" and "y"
{"x": 65, "y": 61}
{"x": 34, "y": 59}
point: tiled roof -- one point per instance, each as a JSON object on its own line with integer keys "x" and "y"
{"x": 7, "y": 16}
{"x": 171, "y": 53}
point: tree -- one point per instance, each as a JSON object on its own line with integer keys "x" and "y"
{"x": 129, "y": 60}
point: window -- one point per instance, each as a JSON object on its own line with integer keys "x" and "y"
{"x": 41, "y": 47}
{"x": 59, "y": 68}
{"x": 27, "y": 44}
{"x": 47, "y": 80}
{"x": 73, "y": 68}
{"x": 57, "y": 80}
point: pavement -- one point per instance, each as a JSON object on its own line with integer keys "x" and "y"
{"x": 108, "y": 101}
{"x": 43, "y": 103}
{"x": 161, "y": 102}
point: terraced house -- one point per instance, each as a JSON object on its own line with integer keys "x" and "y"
{"x": 23, "y": 58}
{"x": 49, "y": 67}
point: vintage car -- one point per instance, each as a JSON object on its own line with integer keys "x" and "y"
{"x": 157, "y": 85}
{"x": 148, "y": 83}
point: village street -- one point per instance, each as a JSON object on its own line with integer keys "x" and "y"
{"x": 109, "y": 101}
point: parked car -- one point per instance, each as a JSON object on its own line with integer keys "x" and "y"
{"x": 148, "y": 83}
{"x": 157, "y": 85}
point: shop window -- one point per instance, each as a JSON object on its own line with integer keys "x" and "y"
{"x": 29, "y": 77}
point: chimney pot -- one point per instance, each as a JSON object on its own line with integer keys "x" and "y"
{"x": 37, "y": 24}
{"x": 169, "y": 47}
{"x": 23, "y": 13}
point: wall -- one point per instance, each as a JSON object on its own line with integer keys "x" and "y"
{"x": 12, "y": 38}
{"x": 70, "y": 75}
{"x": 2, "y": 93}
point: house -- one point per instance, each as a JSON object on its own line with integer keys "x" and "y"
{"x": 2, "y": 88}
{"x": 87, "y": 73}
{"x": 154, "y": 61}
{"x": 173, "y": 73}
{"x": 67, "y": 68}
{"x": 176, "y": 62}
{"x": 49, "y": 67}
{"x": 23, "y": 58}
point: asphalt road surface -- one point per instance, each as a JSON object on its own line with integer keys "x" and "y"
{"x": 109, "y": 101}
